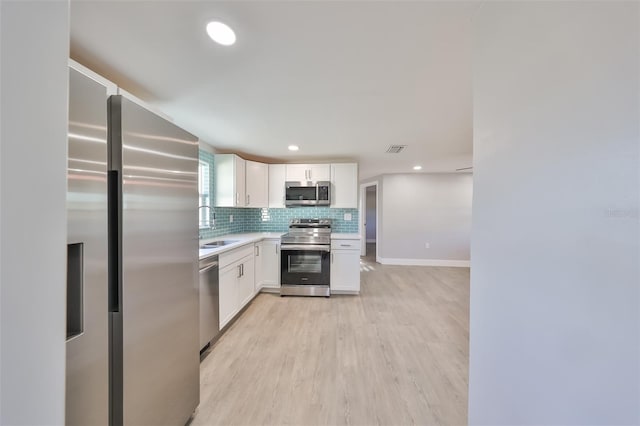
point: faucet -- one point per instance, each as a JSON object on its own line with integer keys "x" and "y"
{"x": 212, "y": 216}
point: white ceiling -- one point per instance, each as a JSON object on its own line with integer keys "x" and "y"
{"x": 343, "y": 80}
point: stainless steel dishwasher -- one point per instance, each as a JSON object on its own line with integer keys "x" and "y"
{"x": 209, "y": 296}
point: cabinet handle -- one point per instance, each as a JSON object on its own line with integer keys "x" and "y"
{"x": 239, "y": 271}
{"x": 257, "y": 251}
{"x": 344, "y": 245}
{"x": 331, "y": 257}
{"x": 277, "y": 248}
{"x": 248, "y": 199}
{"x": 237, "y": 198}
{"x": 242, "y": 270}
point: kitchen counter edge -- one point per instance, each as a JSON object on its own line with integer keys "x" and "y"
{"x": 242, "y": 240}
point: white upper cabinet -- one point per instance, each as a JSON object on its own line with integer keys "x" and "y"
{"x": 229, "y": 180}
{"x": 244, "y": 183}
{"x": 344, "y": 186}
{"x": 276, "y": 185}
{"x": 296, "y": 172}
{"x": 308, "y": 172}
{"x": 257, "y": 184}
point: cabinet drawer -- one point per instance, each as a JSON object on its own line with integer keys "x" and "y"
{"x": 345, "y": 244}
{"x": 234, "y": 255}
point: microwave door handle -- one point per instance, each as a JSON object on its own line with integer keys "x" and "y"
{"x": 317, "y": 192}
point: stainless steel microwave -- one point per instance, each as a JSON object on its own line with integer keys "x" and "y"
{"x": 307, "y": 194}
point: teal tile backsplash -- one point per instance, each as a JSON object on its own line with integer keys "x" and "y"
{"x": 270, "y": 220}
{"x": 277, "y": 220}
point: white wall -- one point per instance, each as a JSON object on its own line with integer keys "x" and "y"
{"x": 424, "y": 208}
{"x": 370, "y": 214}
{"x": 555, "y": 324}
{"x": 34, "y": 46}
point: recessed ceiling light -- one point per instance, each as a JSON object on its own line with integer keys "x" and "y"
{"x": 293, "y": 147}
{"x": 221, "y": 33}
{"x": 417, "y": 167}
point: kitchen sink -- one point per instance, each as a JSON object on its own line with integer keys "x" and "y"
{"x": 216, "y": 244}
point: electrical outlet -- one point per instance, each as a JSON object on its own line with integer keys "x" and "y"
{"x": 230, "y": 218}
{"x": 427, "y": 245}
{"x": 347, "y": 216}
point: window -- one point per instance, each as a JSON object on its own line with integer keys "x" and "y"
{"x": 205, "y": 211}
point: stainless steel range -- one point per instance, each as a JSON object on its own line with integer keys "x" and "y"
{"x": 305, "y": 262}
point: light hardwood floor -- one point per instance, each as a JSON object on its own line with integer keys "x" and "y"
{"x": 395, "y": 355}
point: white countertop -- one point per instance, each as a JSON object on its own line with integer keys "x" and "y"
{"x": 344, "y": 236}
{"x": 253, "y": 237}
{"x": 240, "y": 240}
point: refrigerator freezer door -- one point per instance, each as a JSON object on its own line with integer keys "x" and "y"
{"x": 157, "y": 309}
{"x": 87, "y": 375}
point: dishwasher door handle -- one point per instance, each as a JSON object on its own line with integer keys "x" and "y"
{"x": 213, "y": 265}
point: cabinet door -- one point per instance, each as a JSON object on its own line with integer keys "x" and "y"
{"x": 297, "y": 172}
{"x": 268, "y": 257}
{"x": 230, "y": 180}
{"x": 345, "y": 270}
{"x": 276, "y": 185}
{"x": 257, "y": 184}
{"x": 229, "y": 277}
{"x": 319, "y": 172}
{"x": 246, "y": 285}
{"x": 344, "y": 188}
{"x": 240, "y": 200}
{"x": 258, "y": 266}
{"x": 225, "y": 180}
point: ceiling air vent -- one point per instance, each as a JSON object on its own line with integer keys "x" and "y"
{"x": 395, "y": 149}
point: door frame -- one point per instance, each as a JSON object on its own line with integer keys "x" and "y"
{"x": 363, "y": 216}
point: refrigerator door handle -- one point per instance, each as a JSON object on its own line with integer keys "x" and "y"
{"x": 115, "y": 275}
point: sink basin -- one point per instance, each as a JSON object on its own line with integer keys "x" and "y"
{"x": 216, "y": 244}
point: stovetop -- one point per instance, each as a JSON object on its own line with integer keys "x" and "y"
{"x": 308, "y": 231}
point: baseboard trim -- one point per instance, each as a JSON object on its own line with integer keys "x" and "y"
{"x": 424, "y": 262}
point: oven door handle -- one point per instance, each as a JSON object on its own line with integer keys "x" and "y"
{"x": 305, "y": 247}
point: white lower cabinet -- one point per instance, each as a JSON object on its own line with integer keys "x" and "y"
{"x": 228, "y": 293}
{"x": 245, "y": 283}
{"x": 345, "y": 266}
{"x": 267, "y": 262}
{"x": 237, "y": 276}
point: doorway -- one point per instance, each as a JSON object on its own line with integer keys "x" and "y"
{"x": 369, "y": 220}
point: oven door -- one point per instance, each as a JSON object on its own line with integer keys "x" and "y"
{"x": 306, "y": 265}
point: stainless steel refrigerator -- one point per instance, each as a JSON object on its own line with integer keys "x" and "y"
{"x": 135, "y": 308}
